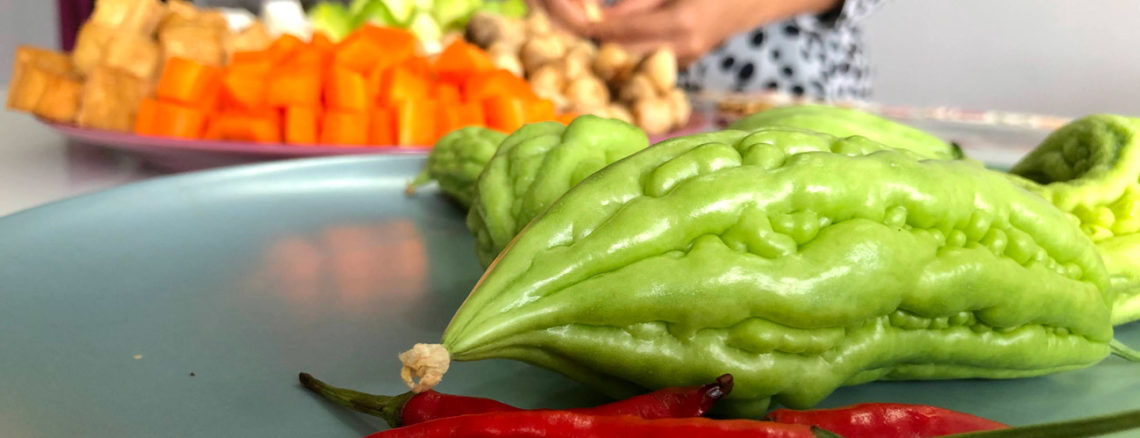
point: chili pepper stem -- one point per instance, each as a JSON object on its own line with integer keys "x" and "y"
{"x": 1119, "y": 349}
{"x": 386, "y": 407}
{"x": 422, "y": 178}
{"x": 428, "y": 362}
{"x": 1085, "y": 427}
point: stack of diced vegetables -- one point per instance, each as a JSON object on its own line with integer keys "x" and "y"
{"x": 371, "y": 88}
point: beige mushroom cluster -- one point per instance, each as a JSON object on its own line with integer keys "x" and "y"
{"x": 580, "y": 77}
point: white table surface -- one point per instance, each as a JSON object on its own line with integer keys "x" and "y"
{"x": 39, "y": 165}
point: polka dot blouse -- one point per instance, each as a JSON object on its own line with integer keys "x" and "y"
{"x": 814, "y": 56}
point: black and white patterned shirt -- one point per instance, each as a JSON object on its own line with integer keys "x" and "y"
{"x": 813, "y": 56}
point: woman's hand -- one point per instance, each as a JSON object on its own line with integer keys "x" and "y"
{"x": 690, "y": 27}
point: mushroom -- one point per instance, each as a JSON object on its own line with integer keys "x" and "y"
{"x": 537, "y": 24}
{"x": 583, "y": 48}
{"x": 587, "y": 94}
{"x": 613, "y": 63}
{"x": 502, "y": 48}
{"x": 547, "y": 81}
{"x": 654, "y": 115}
{"x": 561, "y": 103}
{"x": 681, "y": 107}
{"x": 485, "y": 29}
{"x": 661, "y": 67}
{"x": 618, "y": 111}
{"x": 538, "y": 51}
{"x": 509, "y": 62}
{"x": 638, "y": 87}
{"x": 574, "y": 65}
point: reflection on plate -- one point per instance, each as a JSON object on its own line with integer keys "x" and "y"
{"x": 186, "y": 305}
{"x": 182, "y": 154}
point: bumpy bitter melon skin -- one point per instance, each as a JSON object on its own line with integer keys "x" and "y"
{"x": 1091, "y": 168}
{"x": 796, "y": 261}
{"x": 535, "y": 166}
{"x": 457, "y": 159}
{"x": 845, "y": 122}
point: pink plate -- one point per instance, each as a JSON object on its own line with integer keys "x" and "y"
{"x": 180, "y": 155}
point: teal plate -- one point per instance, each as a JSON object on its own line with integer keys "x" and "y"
{"x": 186, "y": 306}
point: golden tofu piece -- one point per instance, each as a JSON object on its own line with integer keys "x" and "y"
{"x": 26, "y": 84}
{"x": 110, "y": 99}
{"x": 199, "y": 43}
{"x": 250, "y": 39}
{"x": 213, "y": 19}
{"x": 136, "y": 54}
{"x": 60, "y": 100}
{"x": 134, "y": 16}
{"x": 180, "y": 9}
{"x": 90, "y": 45}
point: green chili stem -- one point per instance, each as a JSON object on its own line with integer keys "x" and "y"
{"x": 1119, "y": 349}
{"x": 386, "y": 407}
{"x": 422, "y": 178}
{"x": 1085, "y": 427}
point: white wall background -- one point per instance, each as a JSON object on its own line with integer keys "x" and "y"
{"x": 1062, "y": 57}
{"x": 25, "y": 22}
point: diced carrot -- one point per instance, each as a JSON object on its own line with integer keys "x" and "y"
{"x": 302, "y": 125}
{"x": 446, "y": 94}
{"x": 539, "y": 110}
{"x": 322, "y": 42}
{"x": 460, "y": 60}
{"x": 382, "y": 127}
{"x": 145, "y": 118}
{"x": 260, "y": 67}
{"x": 242, "y": 90}
{"x": 283, "y": 47}
{"x": 403, "y": 84}
{"x": 238, "y": 126}
{"x": 346, "y": 90}
{"x": 212, "y": 96}
{"x": 495, "y": 83}
{"x": 358, "y": 54}
{"x": 374, "y": 82}
{"x": 295, "y": 87}
{"x": 392, "y": 37}
{"x": 188, "y": 82}
{"x": 418, "y": 65}
{"x": 169, "y": 119}
{"x": 449, "y": 119}
{"x": 472, "y": 114}
{"x": 307, "y": 57}
{"x": 251, "y": 56}
{"x": 566, "y": 118}
{"x": 395, "y": 45}
{"x": 344, "y": 128}
{"x": 505, "y": 113}
{"x": 416, "y": 122}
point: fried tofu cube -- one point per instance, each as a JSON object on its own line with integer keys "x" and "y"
{"x": 134, "y": 16}
{"x": 199, "y": 43}
{"x": 206, "y": 18}
{"x": 136, "y": 54}
{"x": 90, "y": 45}
{"x": 181, "y": 8}
{"x": 110, "y": 99}
{"x": 60, "y": 100}
{"x": 27, "y": 84}
{"x": 250, "y": 39}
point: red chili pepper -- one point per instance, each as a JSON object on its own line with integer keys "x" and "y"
{"x": 567, "y": 424}
{"x": 409, "y": 408}
{"x": 876, "y": 420}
